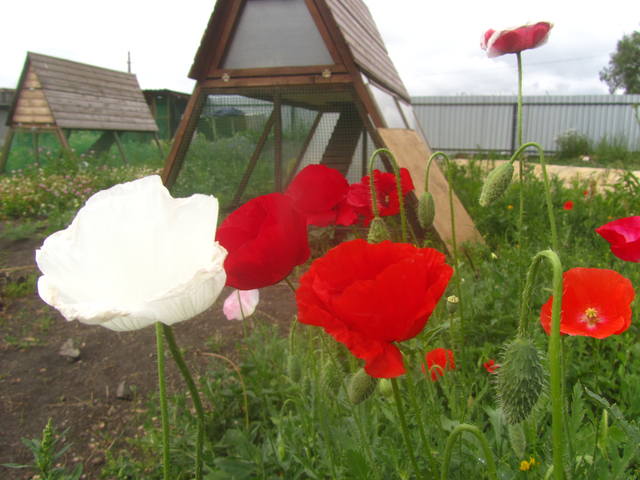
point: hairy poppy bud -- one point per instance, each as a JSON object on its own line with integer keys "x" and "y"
{"x": 426, "y": 210}
{"x": 378, "y": 231}
{"x": 361, "y": 386}
{"x": 331, "y": 376}
{"x": 520, "y": 379}
{"x": 294, "y": 371}
{"x": 496, "y": 183}
{"x": 385, "y": 387}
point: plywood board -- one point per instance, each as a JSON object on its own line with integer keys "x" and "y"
{"x": 412, "y": 153}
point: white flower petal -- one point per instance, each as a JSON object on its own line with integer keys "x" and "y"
{"x": 134, "y": 256}
{"x": 241, "y": 303}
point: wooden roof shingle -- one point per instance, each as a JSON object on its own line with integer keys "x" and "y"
{"x": 86, "y": 97}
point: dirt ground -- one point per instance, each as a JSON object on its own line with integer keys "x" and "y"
{"x": 37, "y": 383}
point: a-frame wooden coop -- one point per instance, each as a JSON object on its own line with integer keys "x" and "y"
{"x": 57, "y": 96}
{"x": 317, "y": 63}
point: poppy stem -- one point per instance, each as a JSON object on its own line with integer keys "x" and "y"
{"x": 547, "y": 191}
{"x": 164, "y": 410}
{"x": 555, "y": 351}
{"x": 520, "y": 160}
{"x": 374, "y": 201}
{"x": 454, "y": 241}
{"x": 403, "y": 426}
{"x": 193, "y": 391}
{"x": 288, "y": 282}
{"x": 488, "y": 456}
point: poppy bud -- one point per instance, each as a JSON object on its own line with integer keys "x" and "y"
{"x": 496, "y": 183}
{"x": 361, "y": 386}
{"x": 517, "y": 439}
{"x": 452, "y": 304}
{"x": 385, "y": 387}
{"x": 378, "y": 231}
{"x": 426, "y": 210}
{"x": 294, "y": 371}
{"x": 280, "y": 448}
{"x": 331, "y": 376}
{"x": 520, "y": 379}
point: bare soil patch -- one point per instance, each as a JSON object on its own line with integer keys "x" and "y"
{"x": 37, "y": 383}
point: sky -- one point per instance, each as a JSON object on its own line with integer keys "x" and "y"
{"x": 433, "y": 44}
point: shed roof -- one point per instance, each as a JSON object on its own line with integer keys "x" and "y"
{"x": 356, "y": 35}
{"x": 81, "y": 96}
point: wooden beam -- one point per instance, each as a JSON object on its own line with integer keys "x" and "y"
{"x": 252, "y": 161}
{"x": 305, "y": 146}
{"x": 63, "y": 139}
{"x": 277, "y": 144}
{"x": 213, "y": 83}
{"x": 6, "y": 147}
{"x": 182, "y": 139}
{"x": 120, "y": 147}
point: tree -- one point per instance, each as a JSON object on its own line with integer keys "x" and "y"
{"x": 623, "y": 71}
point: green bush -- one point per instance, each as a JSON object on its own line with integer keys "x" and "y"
{"x": 572, "y": 144}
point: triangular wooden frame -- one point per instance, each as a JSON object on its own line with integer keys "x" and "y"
{"x": 361, "y": 69}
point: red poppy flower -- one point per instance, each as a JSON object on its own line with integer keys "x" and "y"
{"x": 266, "y": 237}
{"x": 368, "y": 296}
{"x": 438, "y": 360}
{"x": 595, "y": 303}
{"x": 623, "y": 236}
{"x": 491, "y": 366}
{"x": 515, "y": 40}
{"x": 359, "y": 196}
{"x": 568, "y": 205}
{"x": 319, "y": 193}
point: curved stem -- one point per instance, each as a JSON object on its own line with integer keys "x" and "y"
{"x": 454, "y": 241}
{"x": 555, "y": 350}
{"x": 245, "y": 397}
{"x": 164, "y": 410}
{"x": 459, "y": 430}
{"x": 396, "y": 171}
{"x": 547, "y": 190}
{"x": 193, "y": 391}
{"x": 288, "y": 282}
{"x": 403, "y": 426}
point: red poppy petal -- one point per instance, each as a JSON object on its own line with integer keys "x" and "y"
{"x": 623, "y": 236}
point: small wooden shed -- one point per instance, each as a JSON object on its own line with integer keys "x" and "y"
{"x": 58, "y": 96}
{"x": 323, "y": 60}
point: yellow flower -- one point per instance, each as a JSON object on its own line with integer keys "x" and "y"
{"x": 509, "y": 207}
{"x": 527, "y": 465}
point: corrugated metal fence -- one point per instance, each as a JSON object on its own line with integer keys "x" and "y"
{"x": 477, "y": 123}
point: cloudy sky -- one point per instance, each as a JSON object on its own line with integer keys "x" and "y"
{"x": 434, "y": 44}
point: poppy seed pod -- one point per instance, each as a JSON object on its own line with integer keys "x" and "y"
{"x": 426, "y": 210}
{"x": 331, "y": 376}
{"x": 520, "y": 380}
{"x": 496, "y": 183}
{"x": 378, "y": 231}
{"x": 361, "y": 386}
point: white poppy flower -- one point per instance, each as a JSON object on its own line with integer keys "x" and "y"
{"x": 133, "y": 256}
{"x": 241, "y": 304}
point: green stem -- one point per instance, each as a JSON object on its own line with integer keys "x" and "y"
{"x": 459, "y": 430}
{"x": 403, "y": 426}
{"x": 520, "y": 161}
{"x": 454, "y": 241}
{"x": 193, "y": 391}
{"x": 288, "y": 282}
{"x": 547, "y": 190}
{"x": 423, "y": 434}
{"x": 164, "y": 410}
{"x": 555, "y": 351}
{"x": 374, "y": 200}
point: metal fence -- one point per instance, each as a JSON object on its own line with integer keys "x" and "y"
{"x": 478, "y": 123}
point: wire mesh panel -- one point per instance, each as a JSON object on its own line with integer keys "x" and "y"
{"x": 245, "y": 146}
